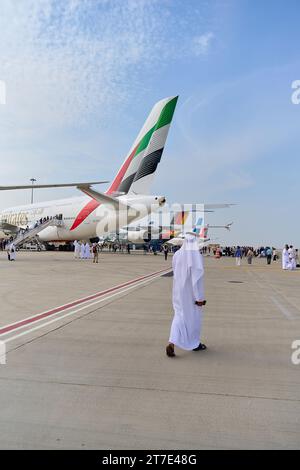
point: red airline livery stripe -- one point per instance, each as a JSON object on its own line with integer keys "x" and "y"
{"x": 85, "y": 212}
{"x": 116, "y": 182}
{"x": 93, "y": 204}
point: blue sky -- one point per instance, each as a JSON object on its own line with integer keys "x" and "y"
{"x": 81, "y": 76}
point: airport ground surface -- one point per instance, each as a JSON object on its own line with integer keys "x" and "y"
{"x": 95, "y": 375}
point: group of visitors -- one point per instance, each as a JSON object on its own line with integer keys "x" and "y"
{"x": 290, "y": 258}
{"x": 249, "y": 253}
{"x": 83, "y": 250}
{"x": 260, "y": 252}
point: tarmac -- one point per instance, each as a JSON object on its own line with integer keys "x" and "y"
{"x": 86, "y": 366}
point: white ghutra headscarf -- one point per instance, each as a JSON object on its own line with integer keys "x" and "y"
{"x": 189, "y": 259}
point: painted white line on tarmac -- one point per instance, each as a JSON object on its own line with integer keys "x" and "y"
{"x": 282, "y": 309}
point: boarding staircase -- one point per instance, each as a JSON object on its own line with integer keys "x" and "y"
{"x": 32, "y": 234}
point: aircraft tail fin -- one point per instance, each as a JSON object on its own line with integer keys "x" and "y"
{"x": 179, "y": 219}
{"x": 200, "y": 229}
{"x": 137, "y": 172}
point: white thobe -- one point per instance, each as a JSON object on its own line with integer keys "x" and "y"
{"x": 12, "y": 252}
{"x": 285, "y": 258}
{"x": 187, "y": 288}
{"x": 292, "y": 259}
{"x": 76, "y": 249}
{"x": 87, "y": 251}
{"x": 82, "y": 251}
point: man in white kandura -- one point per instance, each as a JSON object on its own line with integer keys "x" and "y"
{"x": 82, "y": 250}
{"x": 285, "y": 257}
{"x": 87, "y": 251}
{"x": 292, "y": 258}
{"x": 12, "y": 252}
{"x": 77, "y": 249}
{"x": 188, "y": 297}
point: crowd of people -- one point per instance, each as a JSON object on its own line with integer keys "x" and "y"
{"x": 42, "y": 221}
{"x": 290, "y": 255}
{"x": 260, "y": 252}
{"x": 249, "y": 253}
{"x": 83, "y": 250}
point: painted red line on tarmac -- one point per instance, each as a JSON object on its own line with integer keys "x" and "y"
{"x": 48, "y": 313}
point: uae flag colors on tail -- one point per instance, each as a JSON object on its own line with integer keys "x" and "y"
{"x": 136, "y": 173}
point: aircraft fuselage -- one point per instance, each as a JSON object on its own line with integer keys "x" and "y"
{"x": 83, "y": 217}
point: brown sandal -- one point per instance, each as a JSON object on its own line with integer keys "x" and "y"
{"x": 170, "y": 350}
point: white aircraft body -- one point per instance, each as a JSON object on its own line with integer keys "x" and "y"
{"x": 95, "y": 213}
{"x": 173, "y": 234}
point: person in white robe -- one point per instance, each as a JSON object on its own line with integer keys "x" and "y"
{"x": 297, "y": 259}
{"x": 12, "y": 252}
{"x": 82, "y": 251}
{"x": 285, "y": 257}
{"x": 77, "y": 248}
{"x": 87, "y": 251}
{"x": 188, "y": 297}
{"x": 292, "y": 258}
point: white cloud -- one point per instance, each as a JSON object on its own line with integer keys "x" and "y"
{"x": 73, "y": 65}
{"x": 62, "y": 61}
{"x": 202, "y": 43}
{"x": 67, "y": 61}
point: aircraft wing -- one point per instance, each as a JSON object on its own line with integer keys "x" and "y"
{"x": 44, "y": 186}
{"x": 179, "y": 241}
{"x": 216, "y": 206}
{"x": 102, "y": 197}
{"x": 227, "y": 226}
